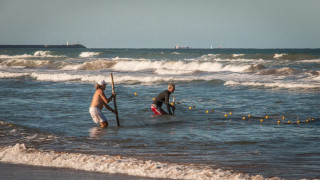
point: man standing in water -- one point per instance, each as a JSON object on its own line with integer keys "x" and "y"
{"x": 163, "y": 97}
{"x": 98, "y": 101}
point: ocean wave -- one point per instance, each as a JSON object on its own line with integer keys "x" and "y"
{"x": 24, "y": 63}
{"x": 209, "y": 57}
{"x": 310, "y": 61}
{"x": 280, "y": 71}
{"x": 255, "y": 68}
{"x": 95, "y": 78}
{"x": 237, "y": 55}
{"x": 47, "y": 54}
{"x": 96, "y": 65}
{"x": 20, "y": 154}
{"x": 273, "y": 85}
{"x": 277, "y": 56}
{"x": 12, "y": 75}
{"x": 89, "y": 54}
{"x": 132, "y": 65}
{"x": 16, "y": 56}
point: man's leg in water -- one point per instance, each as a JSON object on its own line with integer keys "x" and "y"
{"x": 103, "y": 124}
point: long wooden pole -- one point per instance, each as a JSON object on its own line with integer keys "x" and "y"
{"x": 114, "y": 101}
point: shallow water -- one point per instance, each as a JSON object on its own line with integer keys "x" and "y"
{"x": 45, "y": 96}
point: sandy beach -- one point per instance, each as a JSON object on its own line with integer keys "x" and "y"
{"x": 18, "y": 171}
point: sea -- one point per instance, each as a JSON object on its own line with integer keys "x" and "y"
{"x": 240, "y": 113}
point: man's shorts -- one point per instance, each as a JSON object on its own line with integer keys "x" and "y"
{"x": 157, "y": 110}
{"x": 97, "y": 115}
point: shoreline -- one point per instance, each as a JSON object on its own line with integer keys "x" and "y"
{"x": 26, "y": 172}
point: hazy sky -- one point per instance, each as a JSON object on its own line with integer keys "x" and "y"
{"x": 162, "y": 23}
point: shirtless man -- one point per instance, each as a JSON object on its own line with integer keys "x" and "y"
{"x": 98, "y": 101}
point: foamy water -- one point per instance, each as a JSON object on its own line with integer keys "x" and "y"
{"x": 19, "y": 154}
{"x": 237, "y": 114}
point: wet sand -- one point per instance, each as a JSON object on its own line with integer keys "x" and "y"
{"x": 23, "y": 172}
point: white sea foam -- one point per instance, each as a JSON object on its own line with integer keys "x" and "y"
{"x": 276, "y": 56}
{"x": 237, "y": 55}
{"x": 317, "y": 78}
{"x": 209, "y": 57}
{"x": 20, "y": 154}
{"x": 273, "y": 85}
{"x": 89, "y": 54}
{"x": 95, "y": 78}
{"x": 16, "y": 56}
{"x": 71, "y": 67}
{"x": 24, "y": 63}
{"x": 42, "y": 53}
{"x": 310, "y": 61}
{"x": 177, "y": 53}
{"x": 176, "y": 67}
{"x": 12, "y": 75}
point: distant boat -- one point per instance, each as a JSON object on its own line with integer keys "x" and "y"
{"x": 182, "y": 47}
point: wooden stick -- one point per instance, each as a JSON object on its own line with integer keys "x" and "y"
{"x": 114, "y": 100}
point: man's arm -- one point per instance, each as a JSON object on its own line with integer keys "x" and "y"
{"x": 166, "y": 102}
{"x": 105, "y": 99}
{"x": 109, "y": 108}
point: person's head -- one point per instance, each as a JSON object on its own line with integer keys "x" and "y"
{"x": 171, "y": 87}
{"x": 101, "y": 85}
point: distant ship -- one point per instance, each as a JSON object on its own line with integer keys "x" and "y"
{"x": 182, "y": 47}
{"x": 45, "y": 46}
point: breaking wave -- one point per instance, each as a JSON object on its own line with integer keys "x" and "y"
{"x": 20, "y": 154}
{"x": 277, "y": 56}
{"x": 89, "y": 54}
{"x": 273, "y": 85}
{"x": 25, "y": 63}
{"x": 12, "y": 75}
{"x": 281, "y": 71}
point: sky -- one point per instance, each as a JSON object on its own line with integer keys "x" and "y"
{"x": 162, "y": 23}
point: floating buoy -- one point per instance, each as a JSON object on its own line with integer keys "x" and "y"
{"x": 172, "y": 104}
{"x": 226, "y": 115}
{"x": 207, "y": 111}
{"x": 312, "y": 119}
{"x": 307, "y": 120}
{"x": 249, "y": 115}
{"x": 244, "y": 118}
{"x": 289, "y": 122}
{"x": 298, "y": 122}
{"x": 267, "y": 117}
{"x": 190, "y": 107}
{"x": 135, "y": 93}
{"x": 278, "y": 122}
{"x": 230, "y": 113}
{"x": 154, "y": 99}
{"x": 283, "y": 117}
{"x": 261, "y": 120}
